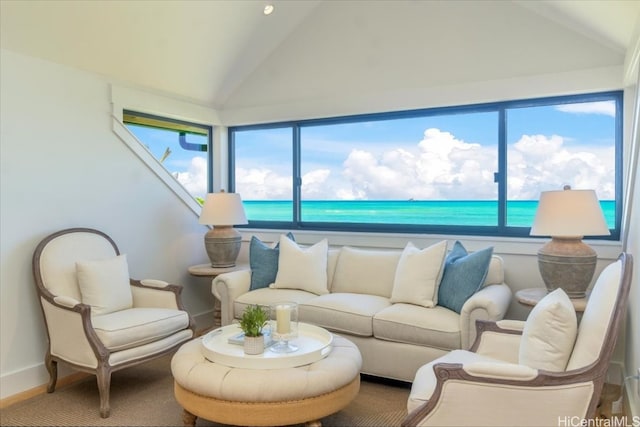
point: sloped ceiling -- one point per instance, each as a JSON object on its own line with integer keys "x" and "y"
{"x": 227, "y": 54}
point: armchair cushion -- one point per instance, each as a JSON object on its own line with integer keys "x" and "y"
{"x": 549, "y": 333}
{"x": 104, "y": 284}
{"x": 425, "y": 381}
{"x": 464, "y": 274}
{"x": 137, "y": 326}
{"x": 418, "y": 275}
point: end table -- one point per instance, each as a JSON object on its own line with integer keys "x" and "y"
{"x": 532, "y": 296}
{"x": 205, "y": 270}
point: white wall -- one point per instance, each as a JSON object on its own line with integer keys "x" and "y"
{"x": 62, "y": 166}
{"x": 632, "y": 329}
{"x": 632, "y": 326}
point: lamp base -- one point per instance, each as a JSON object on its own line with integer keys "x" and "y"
{"x": 567, "y": 263}
{"x": 222, "y": 244}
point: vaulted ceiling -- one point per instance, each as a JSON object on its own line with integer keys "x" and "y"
{"x": 228, "y": 54}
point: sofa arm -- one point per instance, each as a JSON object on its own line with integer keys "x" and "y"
{"x": 227, "y": 288}
{"x": 489, "y": 303}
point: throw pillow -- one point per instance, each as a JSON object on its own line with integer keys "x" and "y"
{"x": 263, "y": 261}
{"x": 302, "y": 268}
{"x": 464, "y": 274}
{"x": 104, "y": 284}
{"x": 418, "y": 275}
{"x": 549, "y": 333}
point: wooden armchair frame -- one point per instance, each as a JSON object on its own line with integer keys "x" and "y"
{"x": 594, "y": 373}
{"x": 79, "y": 315}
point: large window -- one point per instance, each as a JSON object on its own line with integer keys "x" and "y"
{"x": 466, "y": 170}
{"x": 181, "y": 147}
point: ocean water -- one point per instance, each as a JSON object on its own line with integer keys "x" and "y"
{"x": 448, "y": 212}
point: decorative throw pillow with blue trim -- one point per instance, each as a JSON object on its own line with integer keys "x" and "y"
{"x": 263, "y": 261}
{"x": 464, "y": 274}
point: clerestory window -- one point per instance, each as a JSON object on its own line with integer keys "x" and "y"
{"x": 476, "y": 169}
{"x": 181, "y": 147}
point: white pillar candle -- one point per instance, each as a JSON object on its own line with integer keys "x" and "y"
{"x": 283, "y": 319}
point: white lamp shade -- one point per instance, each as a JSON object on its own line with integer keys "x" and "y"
{"x": 569, "y": 213}
{"x": 223, "y": 209}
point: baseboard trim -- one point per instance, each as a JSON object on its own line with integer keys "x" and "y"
{"x": 37, "y": 374}
{"x": 42, "y": 389}
{"x": 205, "y": 321}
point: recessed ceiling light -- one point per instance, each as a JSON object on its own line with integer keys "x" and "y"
{"x": 268, "y": 9}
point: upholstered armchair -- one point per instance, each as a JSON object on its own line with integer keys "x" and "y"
{"x": 547, "y": 371}
{"x": 97, "y": 319}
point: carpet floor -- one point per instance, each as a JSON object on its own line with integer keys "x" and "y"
{"x": 143, "y": 396}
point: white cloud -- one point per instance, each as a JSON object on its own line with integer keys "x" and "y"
{"x": 539, "y": 163}
{"x": 195, "y": 178}
{"x": 607, "y": 108}
{"x": 443, "y": 167}
{"x": 262, "y": 184}
{"x": 313, "y": 183}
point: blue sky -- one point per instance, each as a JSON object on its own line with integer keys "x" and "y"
{"x": 440, "y": 157}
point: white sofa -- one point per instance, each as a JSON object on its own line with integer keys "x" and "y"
{"x": 395, "y": 339}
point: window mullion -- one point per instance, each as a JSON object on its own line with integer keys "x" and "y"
{"x": 502, "y": 169}
{"x": 296, "y": 175}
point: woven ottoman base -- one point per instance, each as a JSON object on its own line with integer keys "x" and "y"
{"x": 251, "y": 397}
{"x": 264, "y": 413}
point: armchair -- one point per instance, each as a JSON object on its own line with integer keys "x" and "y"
{"x": 490, "y": 384}
{"x": 97, "y": 319}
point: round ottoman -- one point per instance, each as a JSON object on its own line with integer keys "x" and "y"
{"x": 265, "y": 397}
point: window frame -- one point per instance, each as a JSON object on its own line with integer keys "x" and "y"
{"x": 162, "y": 122}
{"x": 500, "y": 176}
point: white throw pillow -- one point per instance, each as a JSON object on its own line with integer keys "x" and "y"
{"x": 418, "y": 275}
{"x": 302, "y": 268}
{"x": 549, "y": 333}
{"x": 104, "y": 284}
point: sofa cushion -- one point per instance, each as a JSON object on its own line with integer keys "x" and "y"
{"x": 495, "y": 274}
{"x": 343, "y": 312}
{"x": 302, "y": 268}
{"x": 104, "y": 284}
{"x": 332, "y": 261}
{"x": 464, "y": 274}
{"x": 549, "y": 333}
{"x": 418, "y": 274}
{"x": 268, "y": 296}
{"x": 361, "y": 271}
{"x": 409, "y": 323}
{"x": 263, "y": 261}
{"x": 137, "y": 326}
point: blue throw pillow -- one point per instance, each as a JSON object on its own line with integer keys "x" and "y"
{"x": 464, "y": 274}
{"x": 263, "y": 261}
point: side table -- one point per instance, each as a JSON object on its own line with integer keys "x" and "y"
{"x": 532, "y": 296}
{"x": 205, "y": 270}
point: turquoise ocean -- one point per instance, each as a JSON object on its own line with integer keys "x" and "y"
{"x": 449, "y": 212}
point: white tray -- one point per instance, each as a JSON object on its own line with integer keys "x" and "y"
{"x": 314, "y": 343}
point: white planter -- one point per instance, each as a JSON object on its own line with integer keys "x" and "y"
{"x": 254, "y": 345}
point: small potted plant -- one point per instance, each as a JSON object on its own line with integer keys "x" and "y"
{"x": 252, "y": 321}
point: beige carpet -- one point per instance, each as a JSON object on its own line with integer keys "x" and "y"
{"x": 143, "y": 396}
